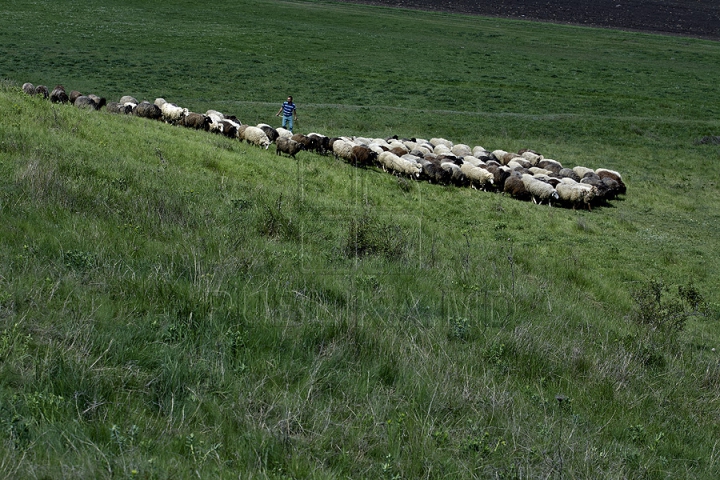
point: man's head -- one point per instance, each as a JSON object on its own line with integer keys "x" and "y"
{"x": 290, "y": 98}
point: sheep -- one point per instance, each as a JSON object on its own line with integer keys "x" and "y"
{"x": 441, "y": 149}
{"x": 58, "y": 95}
{"x": 288, "y": 146}
{"x": 575, "y": 193}
{"x": 73, "y": 95}
{"x": 500, "y": 174}
{"x": 479, "y": 177}
{"x": 461, "y": 150}
{"x": 99, "y": 101}
{"x": 42, "y": 90}
{"x": 83, "y": 101}
{"x": 515, "y": 187}
{"x": 342, "y": 148}
{"x": 457, "y": 177}
{"x": 229, "y": 129}
{"x": 28, "y": 88}
{"x": 441, "y": 141}
{"x": 362, "y": 155}
{"x": 160, "y": 102}
{"x": 539, "y": 191}
{"x": 198, "y": 121}
{"x": 392, "y": 162}
{"x": 283, "y": 132}
{"x": 311, "y": 143}
{"x": 603, "y": 190}
{"x": 256, "y": 136}
{"x": 115, "y": 107}
{"x": 125, "y": 99}
{"x": 532, "y": 157}
{"x": 149, "y": 110}
{"x": 478, "y": 152}
{"x": 171, "y": 113}
{"x": 605, "y": 173}
{"x": 581, "y": 171}
{"x": 433, "y": 172}
{"x": 568, "y": 173}
{"x": 271, "y": 133}
{"x": 322, "y": 142}
{"x": 550, "y": 164}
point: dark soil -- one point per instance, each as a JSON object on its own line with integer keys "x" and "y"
{"x": 694, "y": 18}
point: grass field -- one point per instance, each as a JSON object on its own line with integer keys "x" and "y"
{"x": 175, "y": 304}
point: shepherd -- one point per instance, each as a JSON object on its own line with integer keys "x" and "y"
{"x": 289, "y": 111}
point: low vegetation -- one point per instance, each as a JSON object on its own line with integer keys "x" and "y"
{"x": 176, "y": 304}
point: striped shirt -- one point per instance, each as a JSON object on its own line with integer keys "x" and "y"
{"x": 288, "y": 109}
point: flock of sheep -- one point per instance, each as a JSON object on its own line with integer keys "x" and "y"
{"x": 524, "y": 175}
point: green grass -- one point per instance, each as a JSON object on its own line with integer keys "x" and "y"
{"x": 175, "y": 304}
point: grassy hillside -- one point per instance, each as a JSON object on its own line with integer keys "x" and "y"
{"x": 175, "y": 304}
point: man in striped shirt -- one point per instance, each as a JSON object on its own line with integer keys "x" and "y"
{"x": 288, "y": 111}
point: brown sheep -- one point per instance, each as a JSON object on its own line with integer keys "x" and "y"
{"x": 58, "y": 95}
{"x": 74, "y": 94}
{"x": 42, "y": 90}
{"x": 288, "y": 146}
{"x": 198, "y": 121}
{"x": 362, "y": 156}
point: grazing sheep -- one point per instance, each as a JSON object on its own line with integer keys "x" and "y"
{"x": 74, "y": 94}
{"x": 533, "y": 157}
{"x": 256, "y": 136}
{"x": 515, "y": 187}
{"x": 115, "y": 107}
{"x": 283, "y": 132}
{"x": 288, "y": 146}
{"x": 479, "y": 177}
{"x": 171, "y": 113}
{"x": 539, "y": 191}
{"x": 362, "y": 156}
{"x": 42, "y": 90}
{"x": 461, "y": 150}
{"x": 575, "y": 193}
{"x": 568, "y": 173}
{"x": 83, "y": 101}
{"x": 550, "y": 164}
{"x": 603, "y": 190}
{"x": 441, "y": 141}
{"x": 392, "y": 162}
{"x": 99, "y": 101}
{"x": 28, "y": 88}
{"x": 58, "y": 95}
{"x": 500, "y": 174}
{"x": 198, "y": 121}
{"x": 271, "y": 133}
{"x": 433, "y": 172}
{"x": 581, "y": 171}
{"x": 311, "y": 143}
{"x": 342, "y": 148}
{"x": 128, "y": 99}
{"x": 322, "y": 142}
{"x": 160, "y": 102}
{"x": 149, "y": 110}
{"x": 605, "y": 173}
{"x": 457, "y": 177}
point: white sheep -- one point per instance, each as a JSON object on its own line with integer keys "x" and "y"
{"x": 479, "y": 151}
{"x": 461, "y": 150}
{"x": 581, "y": 171}
{"x": 479, "y": 177}
{"x": 539, "y": 190}
{"x": 256, "y": 136}
{"x": 342, "y": 148}
{"x": 441, "y": 141}
{"x": 441, "y": 149}
{"x": 392, "y": 162}
{"x": 171, "y": 113}
{"x": 532, "y": 157}
{"x": 284, "y": 133}
{"x": 575, "y": 193}
{"x": 474, "y": 161}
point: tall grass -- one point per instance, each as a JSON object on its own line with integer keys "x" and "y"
{"x": 174, "y": 304}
